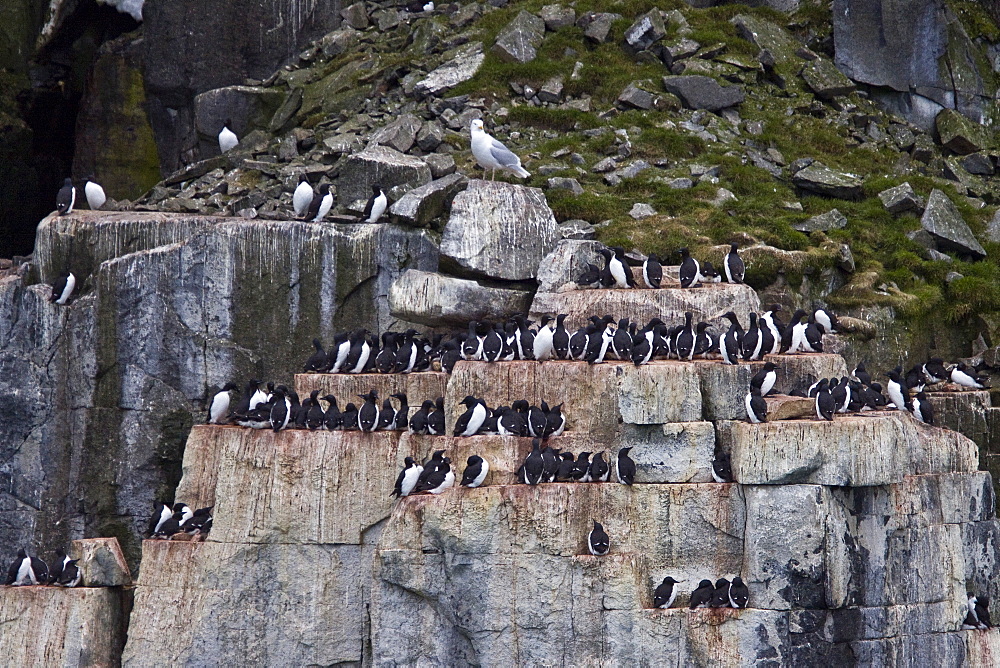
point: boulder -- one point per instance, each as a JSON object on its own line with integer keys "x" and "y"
{"x": 978, "y": 163}
{"x": 489, "y": 219}
{"x": 957, "y": 133}
{"x": 647, "y": 29}
{"x": 557, "y": 16}
{"x": 400, "y": 134}
{"x": 519, "y": 40}
{"x": 993, "y": 228}
{"x": 422, "y": 205}
{"x": 635, "y": 97}
{"x": 824, "y": 79}
{"x": 768, "y": 36}
{"x": 856, "y": 451}
{"x": 820, "y": 179}
{"x": 249, "y": 108}
{"x": 559, "y": 270}
{"x": 43, "y": 626}
{"x": 900, "y": 199}
{"x": 563, "y": 183}
{"x": 575, "y": 229}
{"x": 597, "y": 25}
{"x": 551, "y": 91}
{"x": 101, "y": 562}
{"x": 380, "y": 165}
{"x": 356, "y": 16}
{"x": 824, "y": 222}
{"x": 943, "y": 221}
{"x": 429, "y": 138}
{"x": 708, "y": 302}
{"x": 640, "y": 210}
{"x": 462, "y": 67}
{"x": 437, "y": 300}
{"x": 701, "y": 92}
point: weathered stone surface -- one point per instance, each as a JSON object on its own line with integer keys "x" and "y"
{"x": 635, "y": 97}
{"x": 249, "y": 108}
{"x": 171, "y": 307}
{"x": 563, "y": 183}
{"x": 347, "y": 386}
{"x": 559, "y": 270}
{"x": 647, "y": 29}
{"x": 422, "y": 205}
{"x": 596, "y": 398}
{"x": 557, "y": 16}
{"x": 678, "y": 452}
{"x": 101, "y": 562}
{"x": 519, "y": 40}
{"x": 383, "y": 166}
{"x": 784, "y": 407}
{"x": 490, "y": 218}
{"x": 45, "y": 626}
{"x": 958, "y": 133}
{"x": 701, "y": 92}
{"x": 900, "y": 199}
{"x": 551, "y": 91}
{"x": 945, "y": 223}
{"x": 768, "y": 36}
{"x": 709, "y": 302}
{"x": 597, "y": 25}
{"x": 820, "y": 179}
{"x": 577, "y": 230}
{"x": 856, "y": 451}
{"x": 356, "y": 16}
{"x": 831, "y": 220}
{"x": 824, "y": 79}
{"x": 436, "y": 300}
{"x": 462, "y": 67}
{"x": 400, "y": 134}
{"x": 978, "y": 163}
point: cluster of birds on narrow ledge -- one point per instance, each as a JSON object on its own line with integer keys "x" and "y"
{"x": 723, "y": 594}
{"x": 602, "y": 338}
{"x": 860, "y": 393}
{"x": 170, "y": 522}
{"x": 25, "y": 571}
{"x": 546, "y": 464}
{"x": 616, "y": 272}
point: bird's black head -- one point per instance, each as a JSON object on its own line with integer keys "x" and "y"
{"x": 733, "y": 247}
{"x": 474, "y": 459}
{"x": 625, "y": 451}
{"x": 598, "y": 526}
{"x": 669, "y": 580}
{"x": 769, "y": 366}
{"x": 350, "y": 408}
{"x": 721, "y": 582}
{"x": 427, "y": 405}
{"x": 470, "y": 401}
{"x": 704, "y": 583}
{"x": 324, "y": 189}
{"x": 438, "y": 454}
{"x": 60, "y": 552}
{"x": 376, "y": 189}
{"x": 399, "y": 395}
{"x": 408, "y": 461}
{"x": 653, "y": 257}
{"x": 228, "y": 123}
{"x": 21, "y": 554}
{"x": 303, "y": 178}
{"x": 230, "y": 386}
{"x": 330, "y": 398}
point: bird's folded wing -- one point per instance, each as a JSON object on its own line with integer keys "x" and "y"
{"x": 502, "y": 154}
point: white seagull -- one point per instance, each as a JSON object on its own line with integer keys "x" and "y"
{"x": 492, "y": 155}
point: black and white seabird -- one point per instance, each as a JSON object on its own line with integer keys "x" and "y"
{"x": 492, "y": 344}
{"x": 227, "y": 138}
{"x": 826, "y": 319}
{"x": 826, "y": 405}
{"x": 400, "y": 417}
{"x": 733, "y": 264}
{"x": 626, "y": 467}
{"x": 720, "y": 597}
{"x": 983, "y": 612}
{"x": 360, "y": 352}
{"x": 899, "y": 393}
{"x": 302, "y": 197}
{"x": 690, "y": 269}
{"x": 764, "y": 379}
{"x": 435, "y": 420}
{"x": 542, "y": 345}
{"x": 739, "y": 593}
{"x": 599, "y": 469}
{"x": 57, "y": 566}
{"x": 752, "y": 341}
{"x": 598, "y": 540}
{"x": 580, "y": 470}
{"x": 339, "y": 352}
{"x": 616, "y": 266}
{"x": 315, "y": 415}
{"x": 862, "y": 374}
{"x": 281, "y": 409}
{"x": 732, "y": 341}
{"x": 966, "y": 377}
{"x": 376, "y": 205}
{"x": 317, "y": 362}
{"x": 368, "y": 414}
{"x": 469, "y": 423}
{"x": 476, "y": 469}
{"x": 66, "y": 198}
{"x": 407, "y": 479}
{"x": 560, "y": 339}
{"x": 218, "y": 410}
{"x": 437, "y": 479}
{"x": 935, "y": 370}
{"x": 27, "y": 571}
{"x": 418, "y": 423}
{"x": 922, "y": 409}
{"x": 722, "y": 468}
{"x": 652, "y": 271}
{"x": 63, "y": 288}
{"x": 685, "y": 339}
{"x": 555, "y": 422}
{"x": 534, "y": 464}
{"x": 665, "y": 594}
{"x": 756, "y": 406}
{"x": 702, "y": 596}
{"x": 94, "y": 193}
{"x": 70, "y": 576}
{"x": 472, "y": 347}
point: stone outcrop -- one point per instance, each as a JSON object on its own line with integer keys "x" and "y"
{"x": 701, "y": 92}
{"x": 168, "y": 307}
{"x": 820, "y": 179}
{"x": 433, "y": 299}
{"x": 943, "y": 221}
{"x": 489, "y": 220}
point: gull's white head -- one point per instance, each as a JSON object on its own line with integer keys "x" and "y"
{"x": 477, "y": 125}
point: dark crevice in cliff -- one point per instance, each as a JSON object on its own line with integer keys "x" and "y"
{"x": 38, "y": 154}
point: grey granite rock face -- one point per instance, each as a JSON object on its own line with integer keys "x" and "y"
{"x": 568, "y": 259}
{"x": 900, "y": 199}
{"x": 597, "y": 25}
{"x": 958, "y": 133}
{"x": 169, "y": 306}
{"x": 249, "y": 107}
{"x": 491, "y": 218}
{"x": 380, "y": 165}
{"x": 944, "y": 222}
{"x": 519, "y": 40}
{"x": 645, "y": 31}
{"x": 436, "y": 300}
{"x": 824, "y": 79}
{"x": 831, "y": 220}
{"x": 822, "y": 180}
{"x": 422, "y": 205}
{"x": 701, "y": 92}
{"x": 461, "y": 68}
{"x": 557, "y": 16}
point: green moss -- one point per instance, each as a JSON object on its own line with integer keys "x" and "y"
{"x": 976, "y": 20}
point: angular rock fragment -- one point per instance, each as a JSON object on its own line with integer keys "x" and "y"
{"x": 439, "y": 301}
{"x": 944, "y": 222}
{"x": 701, "y": 92}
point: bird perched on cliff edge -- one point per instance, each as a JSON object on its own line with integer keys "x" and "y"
{"x": 376, "y": 205}
{"x": 62, "y": 289}
{"x": 493, "y": 155}
{"x": 95, "y": 194}
{"x": 66, "y": 198}
{"x": 302, "y": 197}
{"x": 665, "y": 594}
{"x": 227, "y": 138}
{"x": 598, "y": 540}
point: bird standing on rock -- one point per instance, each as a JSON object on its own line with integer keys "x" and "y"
{"x": 493, "y": 155}
{"x": 227, "y": 138}
{"x": 95, "y": 194}
{"x": 302, "y": 197}
{"x": 66, "y": 198}
{"x": 598, "y": 541}
{"x": 62, "y": 289}
{"x": 665, "y": 594}
{"x": 733, "y": 264}
{"x": 376, "y": 205}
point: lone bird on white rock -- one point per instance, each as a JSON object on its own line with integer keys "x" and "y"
{"x": 493, "y": 155}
